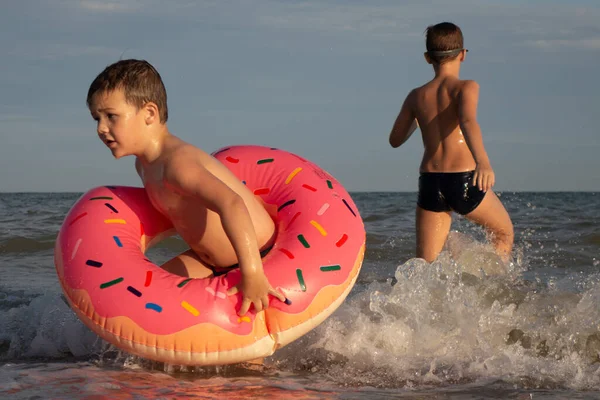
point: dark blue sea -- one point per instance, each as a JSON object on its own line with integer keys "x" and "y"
{"x": 463, "y": 327}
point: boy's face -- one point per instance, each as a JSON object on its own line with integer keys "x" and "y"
{"x": 120, "y": 124}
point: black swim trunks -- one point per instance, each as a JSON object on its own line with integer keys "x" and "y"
{"x": 222, "y": 271}
{"x": 449, "y": 191}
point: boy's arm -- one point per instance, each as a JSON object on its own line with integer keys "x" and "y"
{"x": 467, "y": 116}
{"x": 405, "y": 123}
{"x": 193, "y": 179}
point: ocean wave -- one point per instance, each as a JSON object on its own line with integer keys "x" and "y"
{"x": 20, "y": 244}
{"x": 44, "y": 327}
{"x": 456, "y": 322}
{"x": 593, "y": 239}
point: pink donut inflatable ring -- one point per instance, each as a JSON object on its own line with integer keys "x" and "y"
{"x": 139, "y": 307}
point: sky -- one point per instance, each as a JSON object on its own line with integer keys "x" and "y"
{"x": 323, "y": 79}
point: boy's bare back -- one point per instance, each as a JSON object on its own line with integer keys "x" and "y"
{"x": 455, "y": 172}
{"x": 437, "y": 106}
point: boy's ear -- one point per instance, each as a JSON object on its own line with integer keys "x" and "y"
{"x": 151, "y": 114}
{"x": 427, "y": 58}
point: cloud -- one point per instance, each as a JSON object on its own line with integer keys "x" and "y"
{"x": 182, "y": 8}
{"x": 382, "y": 20}
{"x": 17, "y": 118}
{"x": 533, "y": 139}
{"x": 365, "y": 19}
{"x": 57, "y": 51}
{"x": 52, "y": 51}
{"x": 591, "y": 43}
{"x": 109, "y": 6}
{"x": 387, "y": 17}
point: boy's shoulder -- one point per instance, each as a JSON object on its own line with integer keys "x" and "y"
{"x": 469, "y": 84}
{"x": 411, "y": 97}
{"x": 181, "y": 155}
{"x": 456, "y": 87}
{"x": 468, "y": 90}
{"x": 182, "y": 163}
{"x": 176, "y": 148}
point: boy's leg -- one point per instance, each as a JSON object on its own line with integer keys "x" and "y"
{"x": 492, "y": 215}
{"x": 432, "y": 231}
{"x": 187, "y": 264}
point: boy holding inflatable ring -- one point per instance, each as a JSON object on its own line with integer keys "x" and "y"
{"x": 213, "y": 212}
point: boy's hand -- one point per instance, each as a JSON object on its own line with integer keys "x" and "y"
{"x": 255, "y": 290}
{"x": 484, "y": 177}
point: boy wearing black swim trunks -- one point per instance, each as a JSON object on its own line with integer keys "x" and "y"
{"x": 455, "y": 173}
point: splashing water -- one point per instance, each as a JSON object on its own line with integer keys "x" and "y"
{"x": 457, "y": 321}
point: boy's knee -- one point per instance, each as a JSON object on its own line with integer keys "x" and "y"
{"x": 505, "y": 234}
{"x": 428, "y": 256}
{"x": 510, "y": 231}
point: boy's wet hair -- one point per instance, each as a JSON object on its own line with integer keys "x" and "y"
{"x": 444, "y": 41}
{"x": 140, "y": 81}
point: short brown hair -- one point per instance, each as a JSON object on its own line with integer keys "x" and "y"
{"x": 443, "y": 37}
{"x": 140, "y": 81}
